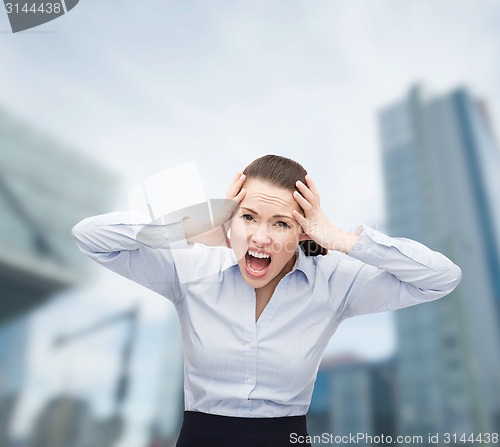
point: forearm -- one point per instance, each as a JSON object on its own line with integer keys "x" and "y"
{"x": 123, "y": 231}
{"x": 394, "y": 273}
{"x": 409, "y": 261}
{"x": 140, "y": 252}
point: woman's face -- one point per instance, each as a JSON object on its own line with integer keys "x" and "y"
{"x": 264, "y": 235}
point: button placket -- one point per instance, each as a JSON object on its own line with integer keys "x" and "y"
{"x": 250, "y": 342}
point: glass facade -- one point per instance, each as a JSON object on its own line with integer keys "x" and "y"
{"x": 441, "y": 173}
{"x": 13, "y": 342}
{"x": 45, "y": 189}
{"x": 353, "y": 396}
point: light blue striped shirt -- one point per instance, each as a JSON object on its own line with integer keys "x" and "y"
{"x": 234, "y": 365}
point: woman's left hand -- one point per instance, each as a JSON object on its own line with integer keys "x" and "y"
{"x": 314, "y": 222}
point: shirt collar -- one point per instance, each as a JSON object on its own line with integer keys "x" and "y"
{"x": 305, "y": 264}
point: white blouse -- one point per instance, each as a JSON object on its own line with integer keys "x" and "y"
{"x": 235, "y": 366}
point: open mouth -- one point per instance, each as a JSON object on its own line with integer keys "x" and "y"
{"x": 257, "y": 263}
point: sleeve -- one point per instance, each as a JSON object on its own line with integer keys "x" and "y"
{"x": 394, "y": 273}
{"x": 140, "y": 252}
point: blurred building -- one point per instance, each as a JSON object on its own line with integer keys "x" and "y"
{"x": 66, "y": 421}
{"x": 13, "y": 342}
{"x": 354, "y": 396}
{"x": 318, "y": 415}
{"x": 170, "y": 402}
{"x": 442, "y": 173}
{"x": 45, "y": 188}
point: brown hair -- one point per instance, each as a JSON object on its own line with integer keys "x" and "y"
{"x": 282, "y": 172}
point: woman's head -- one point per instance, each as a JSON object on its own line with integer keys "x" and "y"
{"x": 264, "y": 234}
{"x": 277, "y": 170}
{"x": 283, "y": 172}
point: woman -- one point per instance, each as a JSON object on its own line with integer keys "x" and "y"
{"x": 257, "y": 317}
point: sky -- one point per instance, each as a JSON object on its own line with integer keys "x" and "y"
{"x": 143, "y": 86}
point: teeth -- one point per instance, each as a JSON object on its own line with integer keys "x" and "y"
{"x": 257, "y": 255}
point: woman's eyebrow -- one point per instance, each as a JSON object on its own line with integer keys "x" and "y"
{"x": 276, "y": 215}
{"x": 249, "y": 209}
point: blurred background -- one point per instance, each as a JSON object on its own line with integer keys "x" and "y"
{"x": 393, "y": 107}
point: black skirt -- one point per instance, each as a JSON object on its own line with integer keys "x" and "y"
{"x": 210, "y": 430}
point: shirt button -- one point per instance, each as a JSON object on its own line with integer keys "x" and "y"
{"x": 369, "y": 250}
{"x": 249, "y": 380}
{"x": 251, "y": 345}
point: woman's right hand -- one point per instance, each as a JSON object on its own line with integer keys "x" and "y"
{"x": 236, "y": 190}
{"x": 218, "y": 236}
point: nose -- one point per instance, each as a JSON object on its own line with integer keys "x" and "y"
{"x": 260, "y": 237}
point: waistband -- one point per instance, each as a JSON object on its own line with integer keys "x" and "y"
{"x": 241, "y": 426}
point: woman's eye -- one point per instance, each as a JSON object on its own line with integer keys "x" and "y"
{"x": 247, "y": 217}
{"x": 282, "y": 224}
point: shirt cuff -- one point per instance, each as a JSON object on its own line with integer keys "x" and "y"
{"x": 371, "y": 247}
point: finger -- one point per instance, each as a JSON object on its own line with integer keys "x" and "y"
{"x": 306, "y": 193}
{"x": 235, "y": 186}
{"x": 239, "y": 197}
{"x": 312, "y": 186}
{"x": 236, "y": 177}
{"x": 303, "y": 203}
{"x": 302, "y": 221}
{"x": 234, "y": 180}
{"x": 239, "y": 183}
